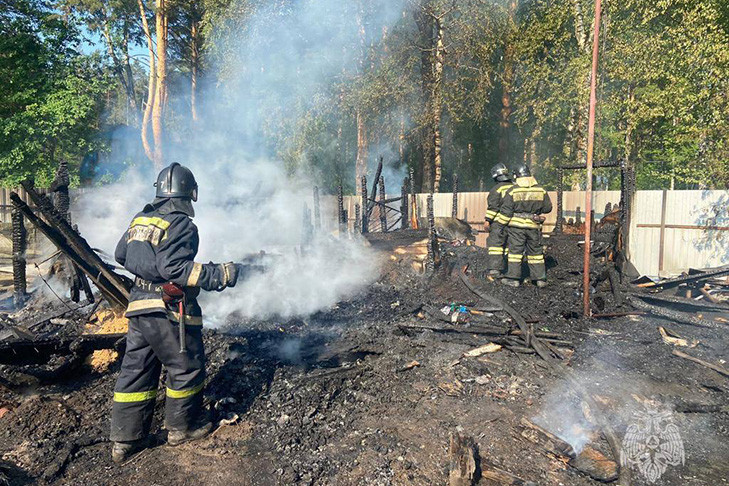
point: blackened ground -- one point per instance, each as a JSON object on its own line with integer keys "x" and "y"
{"x": 327, "y": 400}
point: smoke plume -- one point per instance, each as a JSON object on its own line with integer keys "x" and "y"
{"x": 269, "y": 77}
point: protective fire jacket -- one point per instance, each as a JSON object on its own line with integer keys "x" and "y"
{"x": 495, "y": 200}
{"x": 160, "y": 246}
{"x": 524, "y": 202}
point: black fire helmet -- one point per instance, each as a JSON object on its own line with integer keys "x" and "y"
{"x": 500, "y": 172}
{"x": 176, "y": 181}
{"x": 522, "y": 170}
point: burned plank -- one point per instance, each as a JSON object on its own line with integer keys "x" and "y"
{"x": 675, "y": 282}
{"x": 463, "y": 461}
{"x": 34, "y": 351}
{"x": 719, "y": 369}
{"x": 682, "y": 301}
{"x": 114, "y": 287}
{"x": 677, "y": 316}
{"x": 534, "y": 342}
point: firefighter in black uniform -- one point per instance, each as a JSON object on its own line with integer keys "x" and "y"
{"x": 496, "y": 241}
{"x": 525, "y": 205}
{"x": 159, "y": 250}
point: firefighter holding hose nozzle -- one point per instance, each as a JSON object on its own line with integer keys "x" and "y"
{"x": 165, "y": 320}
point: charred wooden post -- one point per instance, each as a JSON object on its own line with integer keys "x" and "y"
{"x": 307, "y": 231}
{"x": 413, "y": 201}
{"x": 115, "y": 287}
{"x": 317, "y": 210}
{"x": 560, "y": 200}
{"x": 383, "y": 207}
{"x": 373, "y": 197}
{"x": 365, "y": 215}
{"x": 480, "y": 185}
{"x": 627, "y": 192}
{"x": 340, "y": 211}
{"x": 20, "y": 244}
{"x": 433, "y": 254}
{"x": 454, "y": 211}
{"x": 357, "y": 221}
{"x": 578, "y": 216}
{"x": 404, "y": 203}
{"x": 59, "y": 187}
{"x": 608, "y": 209}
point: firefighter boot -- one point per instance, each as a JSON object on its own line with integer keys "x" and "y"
{"x": 177, "y": 437}
{"x": 121, "y": 451}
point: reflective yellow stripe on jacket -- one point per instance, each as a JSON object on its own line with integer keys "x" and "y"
{"x": 526, "y": 223}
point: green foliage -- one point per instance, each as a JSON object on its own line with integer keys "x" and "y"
{"x": 50, "y": 107}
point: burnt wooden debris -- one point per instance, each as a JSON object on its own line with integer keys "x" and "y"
{"x": 113, "y": 286}
{"x": 20, "y": 245}
{"x": 383, "y": 206}
{"x": 365, "y": 207}
{"x": 454, "y": 209}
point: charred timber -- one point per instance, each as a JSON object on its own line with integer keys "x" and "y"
{"x": 373, "y": 197}
{"x": 383, "y": 207}
{"x": 357, "y": 219}
{"x": 596, "y": 165}
{"x": 454, "y": 210}
{"x": 365, "y": 211}
{"x": 405, "y": 218}
{"x": 19, "y": 237}
{"x": 681, "y": 317}
{"x": 114, "y": 287}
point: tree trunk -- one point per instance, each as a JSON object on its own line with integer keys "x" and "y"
{"x": 129, "y": 75}
{"x": 151, "y": 85}
{"x": 506, "y": 88}
{"x": 195, "y": 59}
{"x": 361, "y": 163}
{"x": 160, "y": 97}
{"x": 424, "y": 21}
{"x": 437, "y": 104}
{"x": 118, "y": 68}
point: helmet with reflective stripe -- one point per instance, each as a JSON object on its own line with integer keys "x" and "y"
{"x": 500, "y": 172}
{"x": 176, "y": 181}
{"x": 522, "y": 170}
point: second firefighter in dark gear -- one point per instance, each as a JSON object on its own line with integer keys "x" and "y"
{"x": 496, "y": 241}
{"x": 159, "y": 249}
{"x": 525, "y": 205}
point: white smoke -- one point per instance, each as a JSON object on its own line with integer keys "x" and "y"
{"x": 278, "y": 71}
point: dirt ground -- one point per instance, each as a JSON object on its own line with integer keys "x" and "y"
{"x": 331, "y": 400}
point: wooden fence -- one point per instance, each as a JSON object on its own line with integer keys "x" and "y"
{"x": 671, "y": 231}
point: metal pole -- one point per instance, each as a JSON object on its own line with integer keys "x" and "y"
{"x": 590, "y": 151}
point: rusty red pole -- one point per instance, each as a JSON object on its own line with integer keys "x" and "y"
{"x": 590, "y": 150}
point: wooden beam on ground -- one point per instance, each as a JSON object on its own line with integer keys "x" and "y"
{"x": 717, "y": 368}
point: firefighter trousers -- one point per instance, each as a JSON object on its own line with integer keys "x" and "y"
{"x": 526, "y": 243}
{"x": 496, "y": 243}
{"x": 153, "y": 341}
